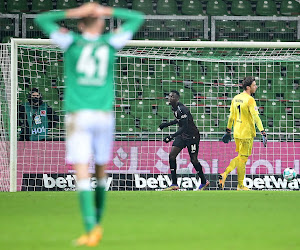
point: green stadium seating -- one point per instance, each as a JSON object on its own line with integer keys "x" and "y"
{"x": 117, "y": 3}
{"x": 262, "y": 93}
{"x": 205, "y": 123}
{"x": 293, "y": 70}
{"x": 289, "y": 8}
{"x": 124, "y": 123}
{"x": 17, "y": 6}
{"x": 54, "y": 69}
{"x": 41, "y": 5}
{"x": 216, "y": 8}
{"x": 167, "y": 7}
{"x": 296, "y": 110}
{"x": 196, "y": 25}
{"x": 152, "y": 92}
{"x": 285, "y": 123}
{"x": 144, "y": 6}
{"x": 292, "y": 95}
{"x": 269, "y": 70}
{"x": 66, "y": 4}
{"x": 140, "y": 107}
{"x": 150, "y": 122}
{"x": 275, "y": 26}
{"x": 192, "y": 8}
{"x": 2, "y": 7}
{"x": 241, "y": 8}
{"x": 266, "y": 8}
{"x": 244, "y": 69}
{"x": 188, "y": 70}
{"x": 274, "y": 110}
{"x": 178, "y": 25}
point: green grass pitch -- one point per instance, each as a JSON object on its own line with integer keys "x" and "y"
{"x": 155, "y": 220}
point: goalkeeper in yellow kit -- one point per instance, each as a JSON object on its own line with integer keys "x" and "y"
{"x": 243, "y": 116}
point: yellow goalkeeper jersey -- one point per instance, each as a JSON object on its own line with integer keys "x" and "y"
{"x": 244, "y": 113}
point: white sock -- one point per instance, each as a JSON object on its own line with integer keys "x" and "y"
{"x": 84, "y": 185}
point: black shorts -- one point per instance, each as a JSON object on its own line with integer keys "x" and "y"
{"x": 191, "y": 144}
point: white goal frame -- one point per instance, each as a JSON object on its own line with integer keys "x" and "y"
{"x": 15, "y": 42}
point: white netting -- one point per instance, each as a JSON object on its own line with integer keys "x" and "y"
{"x": 207, "y": 79}
{"x": 4, "y": 116}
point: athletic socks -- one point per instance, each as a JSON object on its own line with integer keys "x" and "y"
{"x": 173, "y": 168}
{"x": 86, "y": 201}
{"x": 241, "y": 169}
{"x": 100, "y": 198}
{"x": 238, "y": 162}
{"x": 199, "y": 170}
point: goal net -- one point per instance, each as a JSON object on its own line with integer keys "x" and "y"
{"x": 206, "y": 74}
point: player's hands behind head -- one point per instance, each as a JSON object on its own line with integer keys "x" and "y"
{"x": 91, "y": 9}
{"x": 227, "y": 137}
{"x": 264, "y": 138}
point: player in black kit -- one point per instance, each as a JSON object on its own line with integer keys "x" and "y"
{"x": 186, "y": 136}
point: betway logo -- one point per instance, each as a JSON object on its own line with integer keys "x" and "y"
{"x": 69, "y": 182}
{"x": 163, "y": 181}
{"x": 271, "y": 182}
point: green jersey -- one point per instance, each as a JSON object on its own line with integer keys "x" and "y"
{"x": 89, "y": 60}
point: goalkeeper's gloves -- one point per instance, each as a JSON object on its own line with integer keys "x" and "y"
{"x": 168, "y": 138}
{"x": 264, "y": 137}
{"x": 163, "y": 125}
{"x": 227, "y": 137}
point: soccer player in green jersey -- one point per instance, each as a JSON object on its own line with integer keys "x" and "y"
{"x": 89, "y": 97}
{"x": 244, "y": 115}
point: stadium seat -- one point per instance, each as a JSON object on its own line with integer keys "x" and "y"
{"x": 285, "y": 123}
{"x": 216, "y": 8}
{"x": 289, "y": 8}
{"x": 192, "y": 8}
{"x": 273, "y": 109}
{"x": 266, "y": 8}
{"x": 205, "y": 123}
{"x": 244, "y": 69}
{"x": 275, "y": 26}
{"x": 17, "y": 6}
{"x": 292, "y": 95}
{"x": 293, "y": 70}
{"x": 176, "y": 25}
{"x": 269, "y": 70}
{"x": 152, "y": 92}
{"x": 140, "y": 107}
{"x": 117, "y": 3}
{"x": 241, "y": 8}
{"x": 188, "y": 70}
{"x": 150, "y": 122}
{"x": 144, "y": 6}
{"x": 124, "y": 123}
{"x": 54, "y": 69}
{"x": 263, "y": 94}
{"x": 66, "y": 4}
{"x": 41, "y": 5}
{"x": 2, "y": 7}
{"x": 166, "y": 7}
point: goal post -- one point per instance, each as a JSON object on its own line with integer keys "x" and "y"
{"x": 207, "y": 75}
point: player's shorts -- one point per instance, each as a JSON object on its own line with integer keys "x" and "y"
{"x": 90, "y": 133}
{"x": 191, "y": 144}
{"x": 244, "y": 146}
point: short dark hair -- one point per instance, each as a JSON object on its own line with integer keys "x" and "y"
{"x": 176, "y": 92}
{"x": 87, "y": 21}
{"x": 248, "y": 81}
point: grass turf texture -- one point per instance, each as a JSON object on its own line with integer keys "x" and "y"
{"x": 155, "y": 220}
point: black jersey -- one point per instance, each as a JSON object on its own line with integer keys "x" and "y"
{"x": 187, "y": 128}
